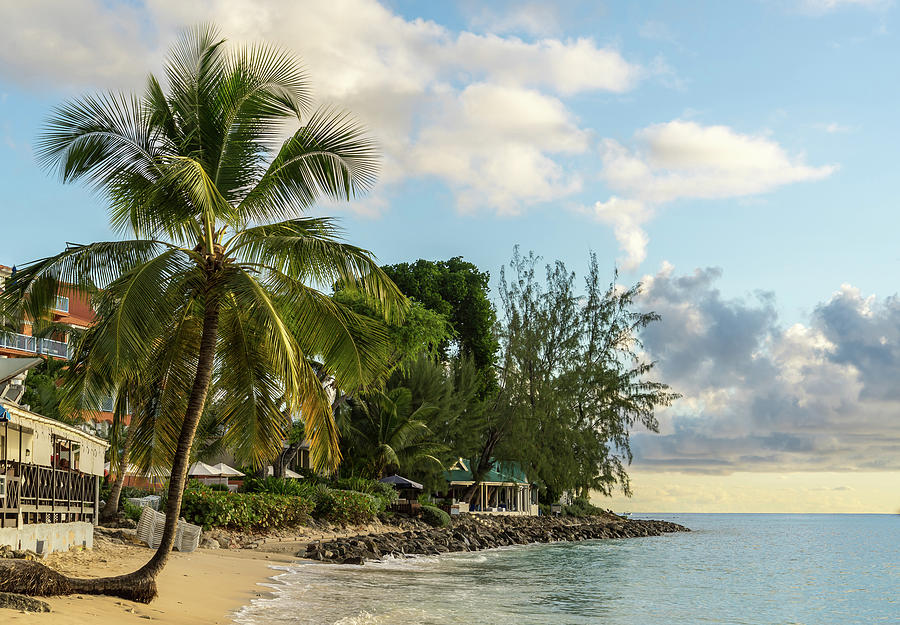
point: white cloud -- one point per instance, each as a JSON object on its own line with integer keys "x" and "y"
{"x": 833, "y": 128}
{"x": 566, "y": 67}
{"x": 533, "y": 18}
{"x": 493, "y": 144}
{"x": 685, "y": 160}
{"x": 423, "y": 90}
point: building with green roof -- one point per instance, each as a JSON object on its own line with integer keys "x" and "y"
{"x": 505, "y": 489}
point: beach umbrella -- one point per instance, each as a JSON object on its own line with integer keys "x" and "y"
{"x": 201, "y": 469}
{"x": 287, "y": 473}
{"x": 401, "y": 482}
{"x": 226, "y": 471}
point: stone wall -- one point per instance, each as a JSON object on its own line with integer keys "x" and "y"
{"x": 54, "y": 536}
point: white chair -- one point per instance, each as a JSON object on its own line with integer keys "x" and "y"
{"x": 152, "y": 523}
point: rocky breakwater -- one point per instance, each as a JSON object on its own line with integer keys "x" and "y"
{"x": 475, "y": 532}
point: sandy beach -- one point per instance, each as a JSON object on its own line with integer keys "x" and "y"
{"x": 201, "y": 588}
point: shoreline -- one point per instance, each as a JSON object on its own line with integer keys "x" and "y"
{"x": 210, "y": 586}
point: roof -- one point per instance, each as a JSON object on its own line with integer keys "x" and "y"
{"x": 501, "y": 472}
{"x": 21, "y": 413}
{"x": 11, "y": 367}
{"x": 401, "y": 482}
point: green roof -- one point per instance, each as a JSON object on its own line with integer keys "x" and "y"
{"x": 506, "y": 472}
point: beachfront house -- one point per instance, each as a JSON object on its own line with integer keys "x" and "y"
{"x": 50, "y": 472}
{"x": 505, "y": 489}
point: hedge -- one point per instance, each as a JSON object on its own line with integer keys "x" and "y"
{"x": 435, "y": 517}
{"x": 344, "y": 506}
{"x": 244, "y": 511}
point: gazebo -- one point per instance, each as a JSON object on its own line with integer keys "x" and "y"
{"x": 408, "y": 491}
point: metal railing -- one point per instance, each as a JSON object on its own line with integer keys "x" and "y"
{"x": 33, "y": 345}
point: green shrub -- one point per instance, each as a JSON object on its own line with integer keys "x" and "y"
{"x": 277, "y": 486}
{"x": 219, "y": 487}
{"x": 435, "y": 517}
{"x": 132, "y": 511}
{"x": 581, "y": 508}
{"x": 385, "y": 494}
{"x": 244, "y": 511}
{"x": 344, "y": 506}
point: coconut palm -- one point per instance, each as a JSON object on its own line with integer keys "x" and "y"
{"x": 218, "y": 285}
{"x": 387, "y": 434}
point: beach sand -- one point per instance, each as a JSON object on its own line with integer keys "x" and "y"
{"x": 205, "y": 587}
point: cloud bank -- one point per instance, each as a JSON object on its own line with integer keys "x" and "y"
{"x": 683, "y": 160}
{"x": 761, "y": 397}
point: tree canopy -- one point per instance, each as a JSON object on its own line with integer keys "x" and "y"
{"x": 458, "y": 290}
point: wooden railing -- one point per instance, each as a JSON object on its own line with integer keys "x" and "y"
{"x": 39, "y": 494}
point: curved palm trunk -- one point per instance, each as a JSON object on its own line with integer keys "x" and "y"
{"x": 111, "y": 509}
{"x": 141, "y": 584}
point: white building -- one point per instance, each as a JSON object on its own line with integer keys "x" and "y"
{"x": 50, "y": 473}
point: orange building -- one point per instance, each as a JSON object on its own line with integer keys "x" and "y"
{"x": 72, "y": 309}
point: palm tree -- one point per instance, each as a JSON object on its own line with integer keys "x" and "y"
{"x": 388, "y": 434}
{"x": 217, "y": 285}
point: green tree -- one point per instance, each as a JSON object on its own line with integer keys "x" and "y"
{"x": 387, "y": 434}
{"x": 42, "y": 391}
{"x": 572, "y": 380}
{"x": 459, "y": 291}
{"x": 213, "y": 286}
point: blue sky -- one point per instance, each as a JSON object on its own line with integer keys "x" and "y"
{"x": 813, "y": 82}
{"x": 738, "y": 156}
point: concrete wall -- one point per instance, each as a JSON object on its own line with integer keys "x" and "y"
{"x": 56, "y": 536}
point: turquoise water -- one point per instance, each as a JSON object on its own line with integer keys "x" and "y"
{"x": 732, "y": 569}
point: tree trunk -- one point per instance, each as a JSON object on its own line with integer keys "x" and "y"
{"x": 111, "y": 509}
{"x": 141, "y": 584}
{"x": 284, "y": 459}
{"x": 484, "y": 464}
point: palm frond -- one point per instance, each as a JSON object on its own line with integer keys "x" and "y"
{"x": 331, "y": 156}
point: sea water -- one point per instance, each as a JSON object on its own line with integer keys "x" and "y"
{"x": 753, "y": 569}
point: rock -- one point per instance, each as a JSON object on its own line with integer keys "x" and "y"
{"x": 209, "y": 543}
{"x": 358, "y": 560}
{"x": 473, "y": 532}
{"x": 21, "y": 602}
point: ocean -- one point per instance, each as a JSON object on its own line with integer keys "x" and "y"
{"x": 747, "y": 569}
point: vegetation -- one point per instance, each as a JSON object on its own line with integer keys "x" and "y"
{"x": 386, "y": 433}
{"x": 214, "y": 287}
{"x": 459, "y": 291}
{"x": 42, "y": 392}
{"x": 244, "y": 511}
{"x": 344, "y": 501}
{"x": 572, "y": 380}
{"x": 435, "y": 517}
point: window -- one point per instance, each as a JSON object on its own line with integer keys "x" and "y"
{"x": 66, "y": 454}
{"x": 61, "y": 304}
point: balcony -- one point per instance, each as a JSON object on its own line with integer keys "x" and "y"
{"x": 39, "y": 494}
{"x": 32, "y": 345}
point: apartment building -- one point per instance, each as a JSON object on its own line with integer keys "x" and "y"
{"x": 72, "y": 310}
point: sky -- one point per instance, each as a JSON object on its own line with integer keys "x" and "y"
{"x": 734, "y": 157}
